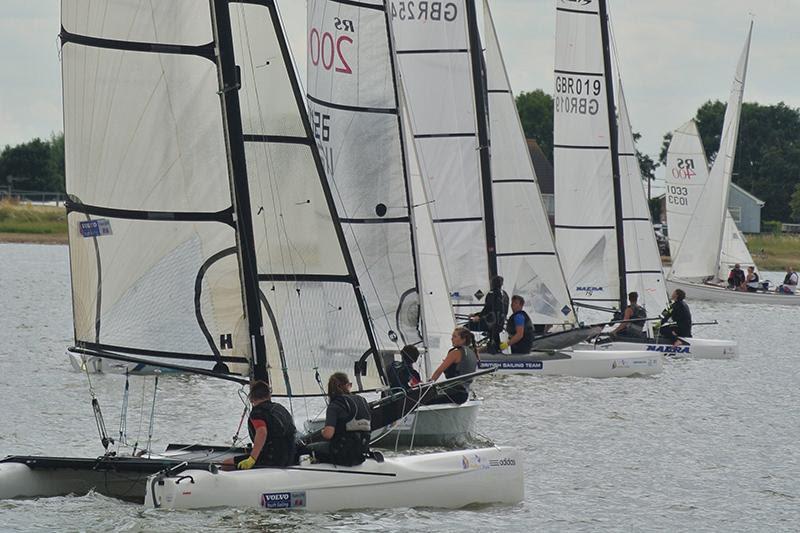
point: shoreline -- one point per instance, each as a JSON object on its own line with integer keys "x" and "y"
{"x": 33, "y": 238}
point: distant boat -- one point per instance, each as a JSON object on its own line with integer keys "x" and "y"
{"x": 704, "y": 240}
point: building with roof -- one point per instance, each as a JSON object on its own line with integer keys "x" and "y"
{"x": 745, "y": 209}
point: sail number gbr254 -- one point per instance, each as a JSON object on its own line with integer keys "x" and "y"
{"x": 577, "y": 94}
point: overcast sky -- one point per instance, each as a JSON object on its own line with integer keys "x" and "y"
{"x": 674, "y": 55}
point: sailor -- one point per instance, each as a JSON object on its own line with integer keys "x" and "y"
{"x": 519, "y": 327}
{"x": 789, "y": 285}
{"x": 634, "y": 329}
{"x": 347, "y": 425}
{"x": 736, "y": 277}
{"x": 460, "y": 360}
{"x": 271, "y": 430}
{"x": 402, "y": 374}
{"x": 679, "y": 313}
{"x": 751, "y": 282}
{"x": 493, "y": 315}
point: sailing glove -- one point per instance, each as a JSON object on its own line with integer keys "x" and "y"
{"x": 503, "y": 345}
{"x": 246, "y": 464}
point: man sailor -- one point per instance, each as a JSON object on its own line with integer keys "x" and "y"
{"x": 519, "y": 328}
{"x": 681, "y": 317}
{"x": 493, "y": 315}
{"x": 789, "y": 285}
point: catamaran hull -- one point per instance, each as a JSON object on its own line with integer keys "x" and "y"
{"x": 710, "y": 293}
{"x": 588, "y": 363}
{"x": 429, "y": 425}
{"x": 696, "y": 348}
{"x": 448, "y": 480}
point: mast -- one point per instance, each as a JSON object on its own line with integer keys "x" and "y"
{"x": 614, "y": 147}
{"x": 481, "y": 117}
{"x": 229, "y": 85}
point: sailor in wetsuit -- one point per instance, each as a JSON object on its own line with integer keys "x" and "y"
{"x": 493, "y": 314}
{"x": 519, "y": 327}
{"x": 461, "y": 359}
{"x": 401, "y": 374}
{"x": 635, "y": 328}
{"x": 347, "y": 425}
{"x": 679, "y": 313}
{"x": 271, "y": 429}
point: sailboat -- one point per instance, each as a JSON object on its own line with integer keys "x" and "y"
{"x": 372, "y": 169}
{"x": 704, "y": 240}
{"x": 205, "y": 193}
{"x": 487, "y": 209}
{"x": 603, "y": 228}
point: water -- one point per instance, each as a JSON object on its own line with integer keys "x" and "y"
{"x": 706, "y": 445}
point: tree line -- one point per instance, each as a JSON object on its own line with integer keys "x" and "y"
{"x": 767, "y": 162}
{"x": 36, "y": 165}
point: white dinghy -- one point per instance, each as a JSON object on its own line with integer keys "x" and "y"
{"x": 226, "y": 256}
{"x": 603, "y": 228}
{"x": 704, "y": 240}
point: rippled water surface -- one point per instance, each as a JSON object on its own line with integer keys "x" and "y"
{"x": 706, "y": 445}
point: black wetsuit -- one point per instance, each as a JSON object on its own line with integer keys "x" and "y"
{"x": 279, "y": 449}
{"x": 680, "y": 314}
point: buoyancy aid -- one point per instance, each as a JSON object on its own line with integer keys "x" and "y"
{"x": 350, "y": 443}
{"x": 638, "y": 325}
{"x": 279, "y": 449}
{"x": 524, "y": 344}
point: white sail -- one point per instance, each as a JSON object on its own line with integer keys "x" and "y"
{"x": 150, "y": 201}
{"x": 698, "y": 256}
{"x": 734, "y": 249}
{"x": 437, "y": 313}
{"x": 433, "y": 54}
{"x": 155, "y": 246}
{"x": 354, "y": 108}
{"x": 643, "y": 272}
{"x": 526, "y": 253}
{"x": 585, "y": 226}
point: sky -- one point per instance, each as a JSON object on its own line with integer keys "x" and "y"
{"x": 674, "y": 55}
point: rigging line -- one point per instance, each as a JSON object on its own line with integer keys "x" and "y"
{"x": 123, "y": 414}
{"x": 141, "y": 417}
{"x": 152, "y": 414}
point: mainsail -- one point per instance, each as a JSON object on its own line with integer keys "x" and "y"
{"x": 355, "y": 111}
{"x": 704, "y": 203}
{"x": 190, "y": 182}
{"x": 434, "y": 58}
{"x": 587, "y": 176}
{"x": 526, "y": 254}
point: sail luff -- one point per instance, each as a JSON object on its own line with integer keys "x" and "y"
{"x": 614, "y": 148}
{"x": 240, "y": 188}
{"x": 482, "y": 128}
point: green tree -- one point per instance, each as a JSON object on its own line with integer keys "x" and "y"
{"x": 29, "y": 165}
{"x": 536, "y": 114}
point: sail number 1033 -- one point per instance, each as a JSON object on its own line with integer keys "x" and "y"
{"x": 328, "y": 51}
{"x": 677, "y": 195}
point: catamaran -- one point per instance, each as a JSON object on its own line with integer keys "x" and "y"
{"x": 208, "y": 195}
{"x": 469, "y": 139}
{"x": 704, "y": 240}
{"x": 603, "y": 229}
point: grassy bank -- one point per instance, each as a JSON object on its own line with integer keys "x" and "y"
{"x": 24, "y": 222}
{"x": 774, "y": 252}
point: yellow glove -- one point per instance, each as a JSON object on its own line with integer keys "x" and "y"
{"x": 503, "y": 345}
{"x": 246, "y": 464}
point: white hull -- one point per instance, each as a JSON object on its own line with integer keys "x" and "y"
{"x": 696, "y": 348}
{"x": 711, "y": 293}
{"x": 587, "y": 363}
{"x": 446, "y": 424}
{"x": 441, "y": 480}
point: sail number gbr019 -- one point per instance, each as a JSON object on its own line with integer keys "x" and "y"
{"x": 577, "y": 94}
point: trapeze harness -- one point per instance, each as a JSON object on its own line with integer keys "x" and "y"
{"x": 279, "y": 450}
{"x": 350, "y": 443}
{"x": 525, "y": 343}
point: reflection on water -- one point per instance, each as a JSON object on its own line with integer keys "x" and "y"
{"x": 705, "y": 445}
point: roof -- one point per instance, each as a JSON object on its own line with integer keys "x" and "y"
{"x": 542, "y": 167}
{"x": 752, "y": 197}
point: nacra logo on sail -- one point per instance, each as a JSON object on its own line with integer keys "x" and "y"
{"x": 588, "y": 290}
